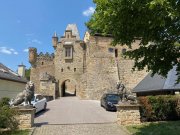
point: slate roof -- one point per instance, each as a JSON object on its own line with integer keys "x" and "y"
{"x": 158, "y": 83}
{"x": 74, "y": 29}
{"x": 8, "y": 74}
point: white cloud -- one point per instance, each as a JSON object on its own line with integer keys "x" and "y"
{"x": 25, "y": 50}
{"x": 36, "y": 41}
{"x": 89, "y": 11}
{"x": 16, "y": 53}
{"x": 6, "y": 50}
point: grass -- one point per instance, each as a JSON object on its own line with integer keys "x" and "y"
{"x": 156, "y": 128}
{"x": 18, "y": 132}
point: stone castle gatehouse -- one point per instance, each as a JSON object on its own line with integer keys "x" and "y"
{"x": 86, "y": 68}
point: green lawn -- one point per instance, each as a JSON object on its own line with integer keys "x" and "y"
{"x": 156, "y": 128}
{"x": 19, "y": 132}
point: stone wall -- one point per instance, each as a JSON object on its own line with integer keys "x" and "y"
{"x": 101, "y": 72}
{"x": 127, "y": 76}
{"x": 105, "y": 66}
{"x": 128, "y": 115}
{"x": 47, "y": 88}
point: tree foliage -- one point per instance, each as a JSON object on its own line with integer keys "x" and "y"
{"x": 27, "y": 73}
{"x": 155, "y": 22}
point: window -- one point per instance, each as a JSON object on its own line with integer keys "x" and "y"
{"x": 42, "y": 63}
{"x": 110, "y": 50}
{"x": 67, "y": 52}
{"x": 116, "y": 53}
{"x": 123, "y": 50}
{"x": 61, "y": 69}
{"x": 74, "y": 69}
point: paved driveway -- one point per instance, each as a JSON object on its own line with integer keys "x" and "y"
{"x": 71, "y": 110}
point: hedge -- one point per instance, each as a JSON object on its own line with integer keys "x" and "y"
{"x": 159, "y": 108}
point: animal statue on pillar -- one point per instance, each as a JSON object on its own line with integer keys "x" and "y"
{"x": 124, "y": 94}
{"x": 25, "y": 96}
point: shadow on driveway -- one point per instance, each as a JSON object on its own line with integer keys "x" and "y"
{"x": 41, "y": 113}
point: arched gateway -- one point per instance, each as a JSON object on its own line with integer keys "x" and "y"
{"x": 68, "y": 88}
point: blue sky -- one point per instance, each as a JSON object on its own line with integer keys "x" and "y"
{"x": 31, "y": 23}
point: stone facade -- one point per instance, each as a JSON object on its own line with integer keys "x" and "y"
{"x": 86, "y": 68}
{"x": 128, "y": 114}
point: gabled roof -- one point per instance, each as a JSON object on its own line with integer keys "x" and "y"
{"x": 74, "y": 30}
{"x": 8, "y": 74}
{"x": 158, "y": 83}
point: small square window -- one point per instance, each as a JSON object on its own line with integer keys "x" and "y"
{"x": 123, "y": 51}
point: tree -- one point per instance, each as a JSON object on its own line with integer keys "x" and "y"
{"x": 155, "y": 22}
{"x": 27, "y": 73}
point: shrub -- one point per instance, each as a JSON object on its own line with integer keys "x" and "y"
{"x": 156, "y": 108}
{"x": 4, "y": 101}
{"x": 7, "y": 115}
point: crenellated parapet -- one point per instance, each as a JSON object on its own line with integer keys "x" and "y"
{"x": 45, "y": 59}
{"x": 40, "y": 59}
{"x": 46, "y": 56}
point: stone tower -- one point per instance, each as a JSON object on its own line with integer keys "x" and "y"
{"x": 32, "y": 56}
{"x": 69, "y": 60}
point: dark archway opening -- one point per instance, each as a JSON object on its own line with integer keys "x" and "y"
{"x": 68, "y": 88}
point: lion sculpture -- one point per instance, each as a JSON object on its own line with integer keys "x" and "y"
{"x": 25, "y": 96}
{"x": 124, "y": 94}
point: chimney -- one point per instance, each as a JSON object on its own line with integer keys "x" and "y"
{"x": 21, "y": 70}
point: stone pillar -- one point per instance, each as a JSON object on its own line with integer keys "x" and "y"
{"x": 25, "y": 117}
{"x": 128, "y": 114}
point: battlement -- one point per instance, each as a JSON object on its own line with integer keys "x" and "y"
{"x": 46, "y": 56}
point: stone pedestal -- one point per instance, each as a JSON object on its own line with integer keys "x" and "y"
{"x": 25, "y": 117}
{"x": 128, "y": 114}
